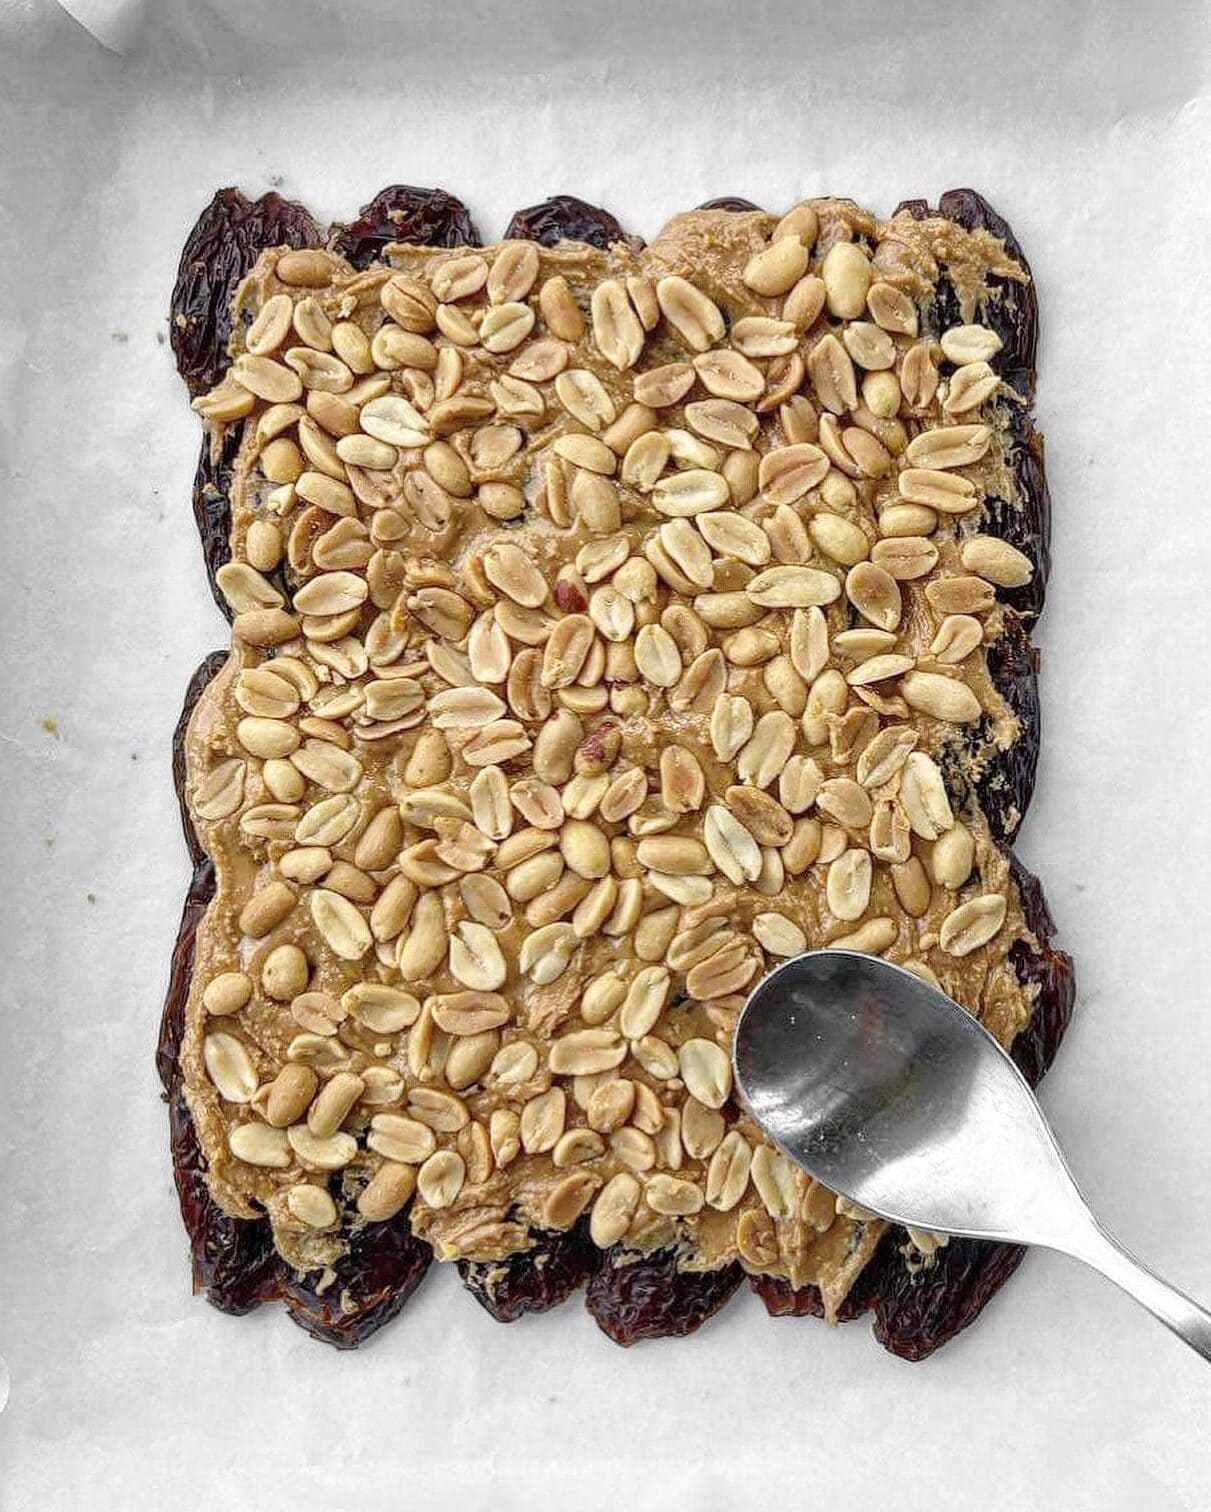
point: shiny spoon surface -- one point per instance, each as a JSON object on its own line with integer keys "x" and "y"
{"x": 886, "y": 1091}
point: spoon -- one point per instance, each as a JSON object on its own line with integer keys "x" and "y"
{"x": 891, "y": 1094}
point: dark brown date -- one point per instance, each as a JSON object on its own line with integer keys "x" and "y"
{"x": 401, "y": 213}
{"x": 1003, "y": 783}
{"x": 369, "y": 1285}
{"x": 1026, "y": 521}
{"x": 729, "y": 202}
{"x": 918, "y": 1311}
{"x": 782, "y": 1300}
{"x": 535, "y": 1281}
{"x": 228, "y": 237}
{"x": 212, "y": 508}
{"x": 172, "y": 1018}
{"x": 1012, "y": 308}
{"x": 652, "y": 1299}
{"x": 1006, "y": 785}
{"x": 1051, "y": 971}
{"x": 234, "y": 1261}
{"x": 201, "y": 890}
{"x": 563, "y": 217}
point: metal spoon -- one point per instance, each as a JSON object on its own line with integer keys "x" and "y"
{"x": 889, "y": 1093}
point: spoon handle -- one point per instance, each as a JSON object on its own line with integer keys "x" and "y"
{"x": 1177, "y": 1311}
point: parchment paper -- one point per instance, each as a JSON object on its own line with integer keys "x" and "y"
{"x": 1088, "y": 126}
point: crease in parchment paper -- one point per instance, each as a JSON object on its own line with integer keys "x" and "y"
{"x": 1126, "y": 66}
{"x": 114, "y": 23}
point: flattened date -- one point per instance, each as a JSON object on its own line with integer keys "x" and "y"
{"x": 652, "y": 1299}
{"x": 212, "y": 509}
{"x": 367, "y": 1287}
{"x": 234, "y": 1261}
{"x": 1051, "y": 971}
{"x": 1026, "y": 521}
{"x": 1006, "y": 786}
{"x": 563, "y": 217}
{"x": 402, "y": 213}
{"x": 729, "y": 202}
{"x": 536, "y": 1280}
{"x": 228, "y": 237}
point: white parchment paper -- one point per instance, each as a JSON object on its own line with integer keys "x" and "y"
{"x": 1089, "y": 126}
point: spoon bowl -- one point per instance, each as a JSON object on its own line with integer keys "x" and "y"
{"x": 889, "y": 1093}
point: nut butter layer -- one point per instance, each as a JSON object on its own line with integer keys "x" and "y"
{"x": 603, "y": 633}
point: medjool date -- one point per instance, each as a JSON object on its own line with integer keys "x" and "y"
{"x": 652, "y": 1299}
{"x": 401, "y": 213}
{"x": 212, "y": 508}
{"x": 172, "y": 1019}
{"x": 234, "y": 1261}
{"x": 919, "y": 1310}
{"x": 1006, "y": 785}
{"x": 228, "y": 237}
{"x": 536, "y": 1280}
{"x": 1025, "y": 522}
{"x": 364, "y": 1290}
{"x": 729, "y": 202}
{"x": 1051, "y": 971}
{"x": 563, "y": 217}
{"x": 1012, "y": 309}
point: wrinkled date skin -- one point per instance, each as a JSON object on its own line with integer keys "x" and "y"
{"x": 1052, "y": 972}
{"x": 652, "y": 1299}
{"x": 234, "y": 1261}
{"x": 384, "y": 1265}
{"x": 401, "y": 213}
{"x": 1026, "y": 523}
{"x": 172, "y": 1019}
{"x": 1006, "y": 787}
{"x": 729, "y": 202}
{"x": 563, "y": 217}
{"x": 916, "y": 1312}
{"x": 535, "y": 1281}
{"x": 212, "y": 509}
{"x": 201, "y": 890}
{"x": 229, "y": 236}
